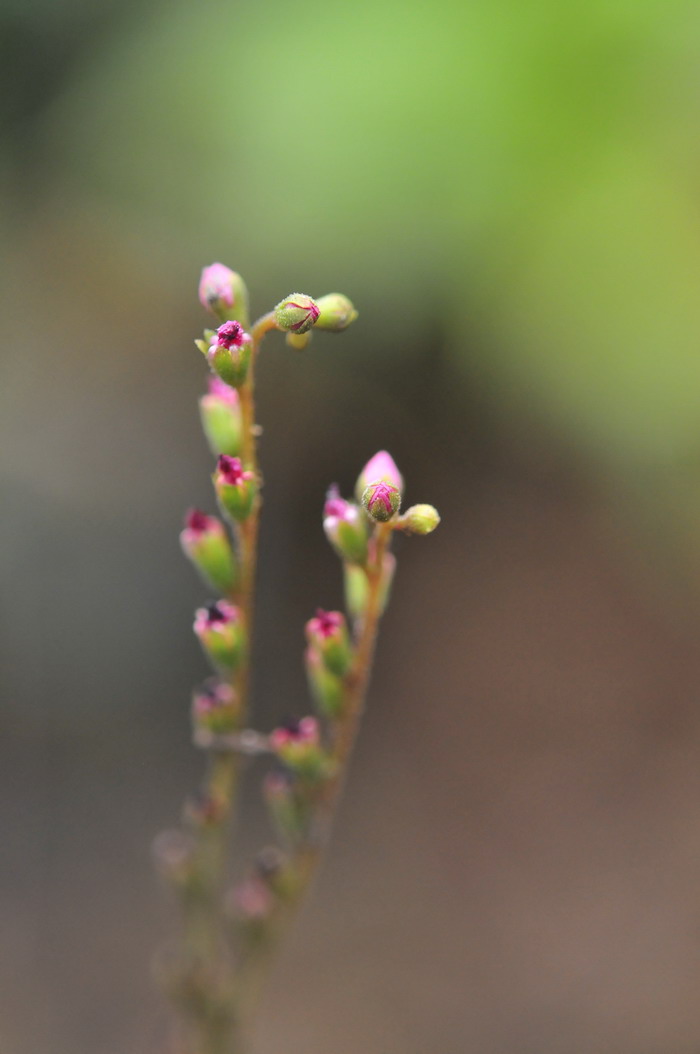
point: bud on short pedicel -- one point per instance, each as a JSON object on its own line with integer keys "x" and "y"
{"x": 327, "y": 634}
{"x": 326, "y": 688}
{"x": 285, "y": 805}
{"x": 345, "y": 527}
{"x": 235, "y": 487}
{"x": 216, "y": 708}
{"x": 297, "y": 312}
{"x": 357, "y": 587}
{"x": 220, "y": 411}
{"x": 381, "y": 500}
{"x": 298, "y": 745}
{"x": 336, "y": 312}
{"x": 221, "y": 634}
{"x": 224, "y": 293}
{"x": 379, "y": 469}
{"x": 420, "y": 519}
{"x": 230, "y": 352}
{"x": 205, "y": 542}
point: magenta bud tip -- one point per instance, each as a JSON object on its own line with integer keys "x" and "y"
{"x": 216, "y": 286}
{"x": 231, "y": 335}
{"x": 230, "y": 471}
{"x": 381, "y": 500}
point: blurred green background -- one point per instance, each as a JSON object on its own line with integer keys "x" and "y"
{"x": 509, "y": 193}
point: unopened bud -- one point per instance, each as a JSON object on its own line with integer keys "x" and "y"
{"x": 224, "y": 293}
{"x": 381, "y": 500}
{"x": 286, "y": 807}
{"x": 235, "y": 487}
{"x": 379, "y": 469}
{"x": 230, "y": 352}
{"x": 220, "y": 410}
{"x": 357, "y": 586}
{"x": 297, "y": 312}
{"x": 205, "y": 542}
{"x": 216, "y": 708}
{"x": 419, "y": 519}
{"x": 298, "y": 745}
{"x": 336, "y": 312}
{"x": 221, "y": 634}
{"x": 327, "y": 634}
{"x": 345, "y": 527}
{"x": 326, "y": 688}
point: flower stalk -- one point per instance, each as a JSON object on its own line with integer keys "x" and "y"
{"x": 230, "y": 936}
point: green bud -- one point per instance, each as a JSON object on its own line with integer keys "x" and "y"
{"x": 224, "y": 293}
{"x": 220, "y": 411}
{"x": 327, "y": 634}
{"x": 221, "y": 633}
{"x": 205, "y": 542}
{"x": 336, "y": 312}
{"x": 235, "y": 487}
{"x": 357, "y": 587}
{"x": 287, "y": 807}
{"x": 381, "y": 500}
{"x": 419, "y": 519}
{"x": 297, "y": 312}
{"x": 345, "y": 527}
{"x": 216, "y": 708}
{"x": 326, "y": 688}
{"x": 230, "y": 364}
{"x": 299, "y": 746}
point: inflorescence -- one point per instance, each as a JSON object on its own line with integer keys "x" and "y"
{"x": 229, "y": 935}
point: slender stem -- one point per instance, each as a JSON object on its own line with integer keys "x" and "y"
{"x": 253, "y": 973}
{"x": 212, "y": 1032}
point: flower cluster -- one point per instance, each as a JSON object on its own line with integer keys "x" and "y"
{"x": 309, "y": 755}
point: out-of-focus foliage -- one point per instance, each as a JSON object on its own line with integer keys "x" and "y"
{"x": 529, "y": 166}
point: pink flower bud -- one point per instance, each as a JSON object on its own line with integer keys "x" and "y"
{"x": 220, "y": 411}
{"x": 325, "y": 625}
{"x": 327, "y": 689}
{"x": 231, "y": 335}
{"x": 221, "y": 633}
{"x": 381, "y": 500}
{"x": 380, "y": 468}
{"x": 327, "y": 635}
{"x": 222, "y": 392}
{"x": 216, "y": 284}
{"x": 223, "y": 292}
{"x": 298, "y": 745}
{"x": 229, "y": 353}
{"x": 297, "y": 312}
{"x": 216, "y": 708}
{"x": 235, "y": 487}
{"x": 345, "y": 527}
{"x": 205, "y": 542}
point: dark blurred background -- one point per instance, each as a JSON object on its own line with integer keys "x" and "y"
{"x": 509, "y": 191}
